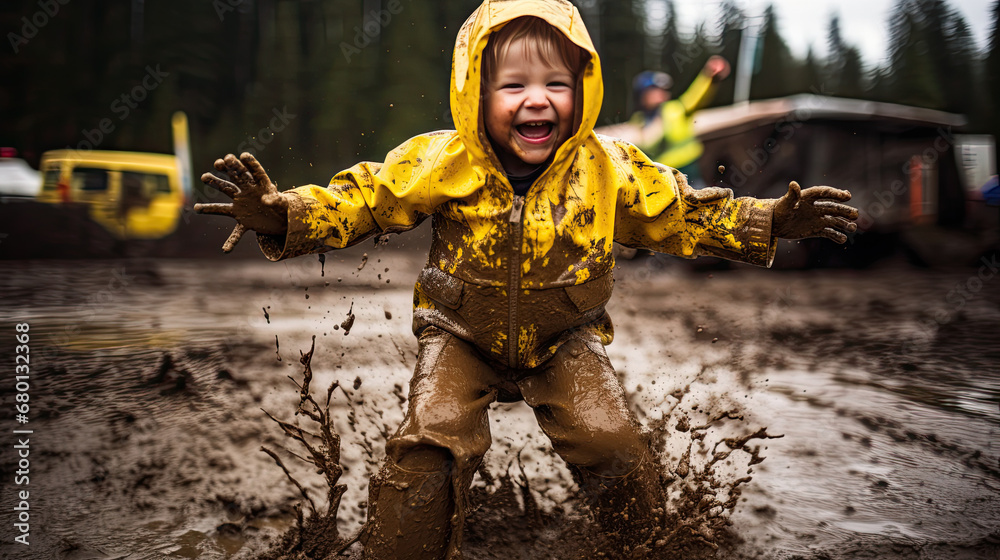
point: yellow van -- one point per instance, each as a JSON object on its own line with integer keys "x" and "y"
{"x": 133, "y": 195}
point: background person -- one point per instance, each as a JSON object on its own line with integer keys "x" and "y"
{"x": 668, "y": 124}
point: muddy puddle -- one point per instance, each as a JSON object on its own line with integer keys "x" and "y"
{"x": 150, "y": 380}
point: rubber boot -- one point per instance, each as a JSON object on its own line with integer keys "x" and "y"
{"x": 410, "y": 516}
{"x": 628, "y": 508}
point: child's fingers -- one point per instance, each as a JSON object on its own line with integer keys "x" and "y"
{"x": 840, "y": 224}
{"x": 837, "y": 209}
{"x": 220, "y": 184}
{"x": 817, "y": 193}
{"x": 834, "y": 235}
{"x": 217, "y": 208}
{"x": 793, "y": 195}
{"x": 239, "y": 173}
{"x": 234, "y": 238}
{"x": 255, "y": 168}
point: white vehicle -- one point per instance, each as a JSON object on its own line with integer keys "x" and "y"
{"x": 17, "y": 178}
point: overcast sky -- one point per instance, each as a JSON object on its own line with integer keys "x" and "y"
{"x": 863, "y": 23}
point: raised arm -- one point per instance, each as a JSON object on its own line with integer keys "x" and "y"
{"x": 702, "y": 89}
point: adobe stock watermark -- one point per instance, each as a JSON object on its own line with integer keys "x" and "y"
{"x": 958, "y": 297}
{"x": 122, "y": 107}
{"x": 257, "y": 143}
{"x": 371, "y": 28}
{"x": 47, "y": 9}
{"x": 688, "y": 54}
{"x": 223, "y": 7}
{"x": 887, "y": 198}
{"x": 785, "y": 129}
{"x": 254, "y": 144}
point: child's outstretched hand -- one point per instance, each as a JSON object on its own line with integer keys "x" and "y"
{"x": 256, "y": 204}
{"x": 813, "y": 213}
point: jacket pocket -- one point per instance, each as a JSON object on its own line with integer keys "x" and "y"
{"x": 591, "y": 294}
{"x": 441, "y": 286}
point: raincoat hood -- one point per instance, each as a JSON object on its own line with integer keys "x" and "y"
{"x": 466, "y": 78}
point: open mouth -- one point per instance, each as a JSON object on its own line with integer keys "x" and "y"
{"x": 535, "y": 131}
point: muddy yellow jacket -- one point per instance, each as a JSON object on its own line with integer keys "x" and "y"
{"x": 505, "y": 268}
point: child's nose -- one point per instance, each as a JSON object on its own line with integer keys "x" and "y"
{"x": 537, "y": 98}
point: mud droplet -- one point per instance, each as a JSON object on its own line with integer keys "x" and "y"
{"x": 684, "y": 467}
{"x": 397, "y": 390}
{"x": 388, "y": 314}
{"x": 277, "y": 348}
{"x": 266, "y": 316}
{"x": 357, "y": 383}
{"x": 683, "y": 424}
{"x": 722, "y": 169}
{"x": 322, "y": 264}
{"x": 714, "y": 340}
{"x": 349, "y": 321}
{"x": 364, "y": 261}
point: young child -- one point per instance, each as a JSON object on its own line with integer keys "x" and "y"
{"x": 526, "y": 201}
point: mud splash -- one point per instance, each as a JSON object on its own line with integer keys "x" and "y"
{"x": 702, "y": 490}
{"x": 315, "y": 536}
{"x": 149, "y": 425}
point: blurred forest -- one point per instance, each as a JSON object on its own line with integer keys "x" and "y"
{"x": 313, "y": 86}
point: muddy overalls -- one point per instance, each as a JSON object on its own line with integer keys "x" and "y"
{"x": 511, "y": 303}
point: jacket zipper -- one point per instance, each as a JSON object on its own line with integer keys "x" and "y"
{"x": 514, "y": 280}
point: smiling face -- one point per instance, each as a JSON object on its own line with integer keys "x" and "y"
{"x": 528, "y": 107}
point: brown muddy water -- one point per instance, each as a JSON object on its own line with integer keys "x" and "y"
{"x": 148, "y": 380}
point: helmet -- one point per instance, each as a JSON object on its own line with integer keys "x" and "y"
{"x": 649, "y": 78}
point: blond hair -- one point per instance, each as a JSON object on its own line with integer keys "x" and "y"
{"x": 541, "y": 38}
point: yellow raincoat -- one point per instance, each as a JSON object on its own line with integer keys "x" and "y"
{"x": 528, "y": 269}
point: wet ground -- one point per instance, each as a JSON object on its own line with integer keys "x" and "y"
{"x": 148, "y": 380}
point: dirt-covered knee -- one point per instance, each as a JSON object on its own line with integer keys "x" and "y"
{"x": 609, "y": 453}
{"x": 425, "y": 458}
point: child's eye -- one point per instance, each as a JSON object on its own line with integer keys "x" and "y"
{"x": 511, "y": 86}
{"x": 559, "y": 84}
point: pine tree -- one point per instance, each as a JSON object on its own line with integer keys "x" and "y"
{"x": 959, "y": 74}
{"x": 844, "y": 67}
{"x": 777, "y": 63}
{"x": 732, "y": 26}
{"x": 812, "y": 80}
{"x": 912, "y": 78}
{"x": 621, "y": 47}
{"x": 991, "y": 72}
{"x": 672, "y": 41}
{"x": 687, "y": 60}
